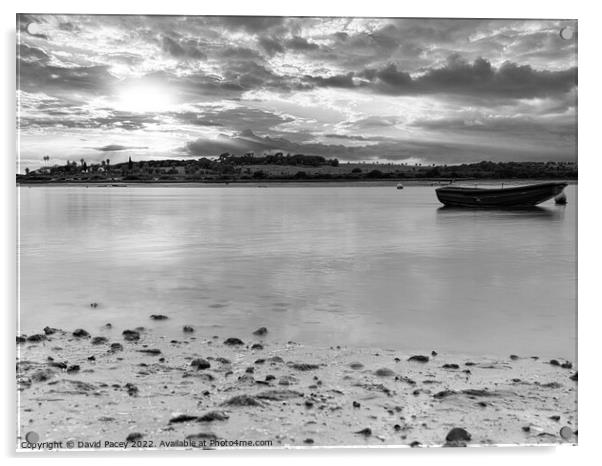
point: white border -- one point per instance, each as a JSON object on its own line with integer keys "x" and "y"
{"x": 589, "y": 212}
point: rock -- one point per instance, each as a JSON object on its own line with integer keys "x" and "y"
{"x": 73, "y": 368}
{"x": 158, "y": 317}
{"x": 259, "y": 361}
{"x": 250, "y": 370}
{"x": 150, "y": 351}
{"x": 415, "y": 444}
{"x": 270, "y": 377}
{"x": 131, "y": 389}
{"x": 200, "y": 364}
{"x": 257, "y": 346}
{"x": 81, "y": 333}
{"x": 434, "y": 353}
{"x": 42, "y": 375}
{"x": 356, "y": 404}
{"x": 526, "y": 428}
{"x": 567, "y": 365}
{"x": 131, "y": 335}
{"x": 574, "y": 377}
{"x": 214, "y": 416}
{"x": 233, "y": 342}
{"x": 261, "y": 331}
{"x": 182, "y": 418}
{"x": 58, "y": 365}
{"x": 94, "y": 305}
{"x": 304, "y": 366}
{"x": 108, "y": 325}
{"x": 356, "y": 365}
{"x": 50, "y": 330}
{"x": 366, "y": 431}
{"x": 308, "y": 441}
{"x": 457, "y": 435}
{"x": 134, "y": 436}
{"x": 21, "y": 339}
{"x": 188, "y": 329}
{"x": 242, "y": 400}
{"x": 396, "y": 427}
{"x": 419, "y": 358}
{"x": 566, "y": 433}
{"x": 555, "y": 417}
{"x": 116, "y": 347}
{"x": 287, "y": 380}
{"x": 36, "y": 338}
{"x": 470, "y": 363}
{"x": 276, "y": 359}
{"x": 92, "y": 358}
{"x": 278, "y": 395}
{"x": 223, "y": 361}
{"x": 384, "y": 372}
{"x": 554, "y": 362}
{"x": 99, "y": 340}
{"x": 308, "y": 404}
{"x": 450, "y": 366}
{"x": 514, "y": 357}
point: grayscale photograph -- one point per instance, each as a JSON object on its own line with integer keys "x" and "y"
{"x": 263, "y": 232}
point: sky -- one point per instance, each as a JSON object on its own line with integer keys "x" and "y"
{"x": 442, "y": 91}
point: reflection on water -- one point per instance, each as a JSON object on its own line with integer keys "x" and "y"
{"x": 357, "y": 266}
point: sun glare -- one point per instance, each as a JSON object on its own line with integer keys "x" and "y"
{"x": 144, "y": 98}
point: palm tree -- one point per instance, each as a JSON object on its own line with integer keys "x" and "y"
{"x": 108, "y": 161}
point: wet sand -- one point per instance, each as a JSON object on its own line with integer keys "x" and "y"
{"x": 197, "y": 392}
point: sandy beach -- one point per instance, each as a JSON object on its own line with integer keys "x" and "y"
{"x": 103, "y": 387}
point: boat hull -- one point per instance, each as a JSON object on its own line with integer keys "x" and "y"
{"x": 520, "y": 196}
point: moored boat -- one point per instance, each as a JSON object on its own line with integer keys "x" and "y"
{"x": 518, "y": 196}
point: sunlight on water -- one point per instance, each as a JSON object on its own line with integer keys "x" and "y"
{"x": 369, "y": 266}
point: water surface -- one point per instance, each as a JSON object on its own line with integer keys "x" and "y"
{"x": 332, "y": 265}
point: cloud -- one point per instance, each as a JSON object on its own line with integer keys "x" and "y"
{"x": 189, "y": 49}
{"x": 117, "y": 147}
{"x": 479, "y": 79}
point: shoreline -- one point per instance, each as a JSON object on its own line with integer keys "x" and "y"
{"x": 111, "y": 385}
{"x": 294, "y": 183}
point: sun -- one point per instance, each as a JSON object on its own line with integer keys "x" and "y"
{"x": 144, "y": 98}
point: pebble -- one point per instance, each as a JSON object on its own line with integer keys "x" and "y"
{"x": 366, "y": 431}
{"x": 158, "y": 317}
{"x": 419, "y": 358}
{"x": 356, "y": 365}
{"x": 81, "y": 333}
{"x": 200, "y": 364}
{"x": 116, "y": 347}
{"x": 384, "y": 372}
{"x": 260, "y": 331}
{"x": 356, "y": 404}
{"x": 134, "y": 436}
{"x": 450, "y": 366}
{"x": 50, "y": 330}
{"x": 99, "y": 340}
{"x": 574, "y": 377}
{"x": 214, "y": 416}
{"x": 458, "y": 434}
{"x": 233, "y": 342}
{"x": 514, "y": 357}
{"x": 131, "y": 335}
{"x": 188, "y": 329}
{"x": 21, "y": 339}
{"x": 257, "y": 346}
{"x": 36, "y": 338}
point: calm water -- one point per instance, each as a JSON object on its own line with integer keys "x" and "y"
{"x": 365, "y": 266}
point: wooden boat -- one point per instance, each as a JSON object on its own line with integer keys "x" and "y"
{"x": 517, "y": 196}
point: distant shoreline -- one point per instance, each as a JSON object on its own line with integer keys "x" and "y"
{"x": 295, "y": 183}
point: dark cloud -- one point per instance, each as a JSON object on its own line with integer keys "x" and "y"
{"x": 252, "y": 24}
{"x": 271, "y": 46}
{"x": 339, "y": 80}
{"x": 301, "y": 44}
{"x": 117, "y": 147}
{"x": 189, "y": 49}
{"x": 479, "y": 79}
